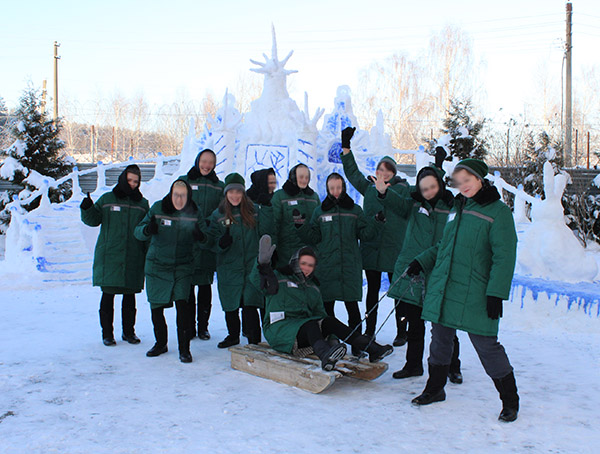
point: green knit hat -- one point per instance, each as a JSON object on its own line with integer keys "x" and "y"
{"x": 234, "y": 181}
{"x": 391, "y": 161}
{"x": 473, "y": 166}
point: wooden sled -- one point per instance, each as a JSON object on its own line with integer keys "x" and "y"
{"x": 304, "y": 373}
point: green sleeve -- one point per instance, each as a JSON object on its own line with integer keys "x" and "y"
{"x": 355, "y": 176}
{"x": 428, "y": 257}
{"x": 503, "y": 242}
{"x": 397, "y": 203}
{"x": 214, "y": 233}
{"x": 138, "y": 232}
{"x": 265, "y": 221}
{"x": 310, "y": 232}
{"x": 93, "y": 215}
{"x": 368, "y": 229}
{"x": 254, "y": 279}
{"x": 276, "y": 216}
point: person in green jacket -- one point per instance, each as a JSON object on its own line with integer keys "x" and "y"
{"x": 172, "y": 225}
{"x": 233, "y": 234}
{"x": 471, "y": 274}
{"x": 335, "y": 229}
{"x": 426, "y": 210}
{"x": 295, "y": 320}
{"x": 207, "y": 193}
{"x": 293, "y": 203}
{"x": 119, "y": 257}
{"x": 380, "y": 254}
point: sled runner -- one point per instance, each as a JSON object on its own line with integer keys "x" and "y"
{"x": 304, "y": 373}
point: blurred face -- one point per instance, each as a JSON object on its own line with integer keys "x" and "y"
{"x": 179, "y": 197}
{"x": 234, "y": 196}
{"x": 272, "y": 183}
{"x": 307, "y": 264}
{"x": 383, "y": 171}
{"x": 335, "y": 186}
{"x": 429, "y": 187}
{"x": 302, "y": 177}
{"x": 467, "y": 183}
{"x": 133, "y": 180}
{"x": 206, "y": 164}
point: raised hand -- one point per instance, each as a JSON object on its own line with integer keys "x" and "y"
{"x": 86, "y": 203}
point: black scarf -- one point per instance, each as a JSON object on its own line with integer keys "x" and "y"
{"x": 194, "y": 174}
{"x": 487, "y": 194}
{"x": 344, "y": 201}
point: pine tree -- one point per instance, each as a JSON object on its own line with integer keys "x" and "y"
{"x": 37, "y": 148}
{"x": 465, "y": 132}
{"x": 538, "y": 150}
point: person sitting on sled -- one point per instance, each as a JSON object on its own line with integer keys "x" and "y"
{"x": 295, "y": 319}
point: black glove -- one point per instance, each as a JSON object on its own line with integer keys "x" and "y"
{"x": 380, "y": 216}
{"x": 298, "y": 219}
{"x": 226, "y": 240}
{"x": 494, "y": 307}
{"x": 268, "y": 280}
{"x": 152, "y": 227}
{"x": 440, "y": 155}
{"x": 86, "y": 203}
{"x": 198, "y": 234}
{"x": 414, "y": 268}
{"x": 347, "y": 134}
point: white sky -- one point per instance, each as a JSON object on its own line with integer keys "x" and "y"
{"x": 161, "y": 48}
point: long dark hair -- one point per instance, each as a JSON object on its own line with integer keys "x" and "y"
{"x": 246, "y": 211}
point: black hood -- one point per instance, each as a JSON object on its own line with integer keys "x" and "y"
{"x": 344, "y": 200}
{"x": 259, "y": 191}
{"x": 122, "y": 188}
{"x": 443, "y": 193}
{"x": 291, "y": 185}
{"x": 194, "y": 172}
{"x": 167, "y": 201}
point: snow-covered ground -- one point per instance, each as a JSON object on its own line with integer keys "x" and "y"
{"x": 62, "y": 391}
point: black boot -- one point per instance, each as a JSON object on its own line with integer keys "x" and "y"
{"x": 229, "y": 341}
{"x": 376, "y": 351}
{"x": 329, "y": 354}
{"x": 409, "y": 371}
{"x": 128, "y": 313}
{"x": 434, "y": 390}
{"x": 454, "y": 374}
{"x": 183, "y": 341}
{"x": 401, "y": 336}
{"x": 507, "y": 387}
{"x": 106, "y": 319}
{"x": 160, "y": 333}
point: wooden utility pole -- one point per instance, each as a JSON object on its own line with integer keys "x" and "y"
{"x": 56, "y": 58}
{"x": 568, "y": 88}
{"x": 44, "y": 91}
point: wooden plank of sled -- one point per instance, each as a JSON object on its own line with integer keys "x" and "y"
{"x": 348, "y": 367}
{"x": 309, "y": 377}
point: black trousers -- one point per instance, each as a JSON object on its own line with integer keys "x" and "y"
{"x": 311, "y": 332}
{"x": 416, "y": 339}
{"x": 354, "y": 318}
{"x": 203, "y": 304}
{"x": 373, "y": 287}
{"x": 251, "y": 320}
{"x": 107, "y": 309}
{"x": 185, "y": 325}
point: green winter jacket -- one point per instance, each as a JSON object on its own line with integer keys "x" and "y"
{"x": 119, "y": 256}
{"x": 235, "y": 263}
{"x": 335, "y": 231}
{"x": 380, "y": 253}
{"x": 284, "y": 233}
{"x": 296, "y": 302}
{"x": 425, "y": 228}
{"x": 170, "y": 258}
{"x": 474, "y": 259}
{"x": 207, "y": 193}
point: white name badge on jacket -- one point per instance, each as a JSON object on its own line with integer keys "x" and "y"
{"x": 292, "y": 284}
{"x": 194, "y": 187}
{"x": 451, "y": 217}
{"x": 276, "y": 316}
{"x": 424, "y": 211}
{"x": 115, "y": 208}
{"x": 166, "y": 222}
{"x": 327, "y": 218}
{"x": 293, "y": 202}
